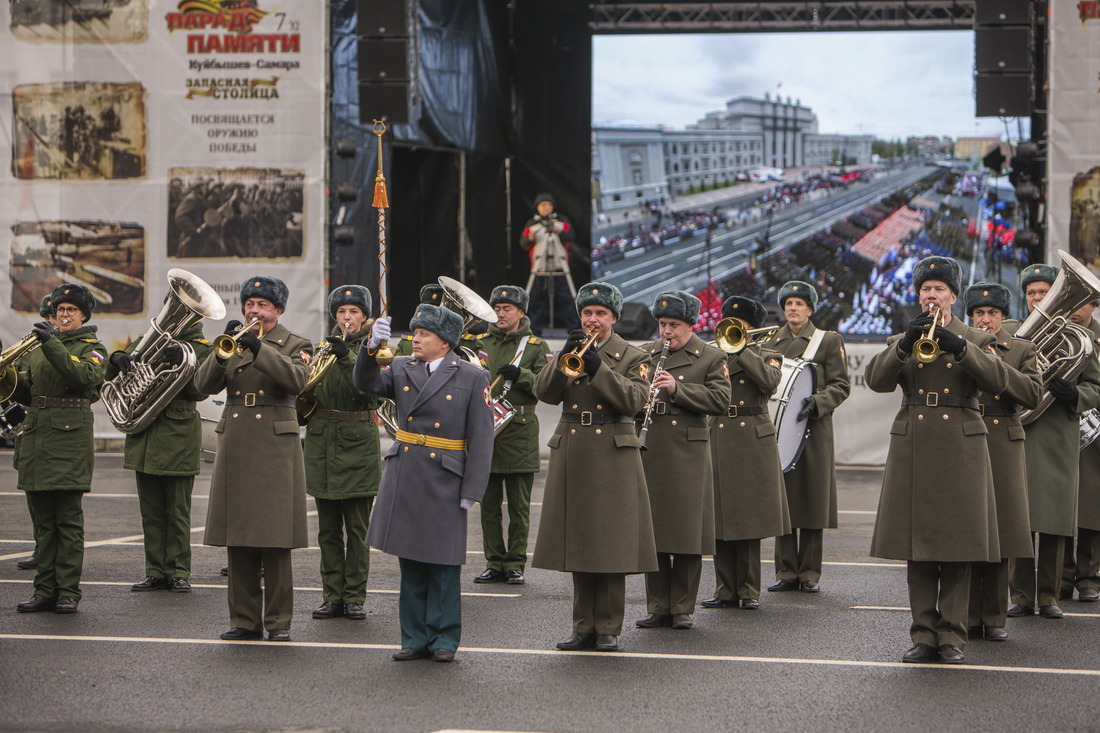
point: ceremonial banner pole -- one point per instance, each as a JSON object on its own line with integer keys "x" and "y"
{"x": 384, "y": 355}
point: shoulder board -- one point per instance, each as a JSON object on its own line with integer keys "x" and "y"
{"x": 406, "y": 338}
{"x": 201, "y": 341}
{"x": 534, "y": 340}
{"x": 469, "y": 337}
{"x": 90, "y": 340}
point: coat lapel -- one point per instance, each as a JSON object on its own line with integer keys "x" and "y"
{"x": 448, "y": 368}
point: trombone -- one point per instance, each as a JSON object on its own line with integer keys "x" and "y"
{"x": 572, "y": 364}
{"x": 732, "y": 337}
{"x": 226, "y": 346}
{"x": 926, "y": 350}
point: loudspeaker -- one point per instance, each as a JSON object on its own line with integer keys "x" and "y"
{"x": 382, "y": 18}
{"x": 636, "y": 323}
{"x": 378, "y": 100}
{"x": 1002, "y": 49}
{"x": 1001, "y": 12}
{"x": 383, "y": 59}
{"x": 1002, "y": 95}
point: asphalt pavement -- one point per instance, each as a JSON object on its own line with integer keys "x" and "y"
{"x": 828, "y": 661}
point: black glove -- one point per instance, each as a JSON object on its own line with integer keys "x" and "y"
{"x": 173, "y": 354}
{"x": 949, "y": 342}
{"x": 592, "y": 362}
{"x": 43, "y": 331}
{"x": 1063, "y": 390}
{"x": 339, "y": 347}
{"x": 575, "y": 341}
{"x": 232, "y": 327}
{"x": 122, "y": 361}
{"x": 478, "y": 328}
{"x": 510, "y": 372}
{"x": 251, "y": 342}
{"x": 914, "y": 331}
{"x": 15, "y": 414}
{"x": 809, "y": 409}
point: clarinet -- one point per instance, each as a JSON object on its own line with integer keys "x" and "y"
{"x": 651, "y": 399}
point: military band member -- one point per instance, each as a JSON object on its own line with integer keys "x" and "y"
{"x": 595, "y": 520}
{"x": 165, "y": 460}
{"x": 435, "y": 471}
{"x": 750, "y": 501}
{"x": 988, "y": 305}
{"x": 430, "y": 294}
{"x": 1053, "y": 455}
{"x": 53, "y": 457}
{"x": 257, "y": 505}
{"x": 19, "y": 414}
{"x": 937, "y": 509}
{"x": 1082, "y": 568}
{"x": 811, "y": 484}
{"x": 343, "y": 467}
{"x": 692, "y": 386}
{"x": 512, "y": 353}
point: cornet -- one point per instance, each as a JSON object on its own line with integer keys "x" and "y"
{"x": 926, "y": 350}
{"x": 226, "y": 346}
{"x": 572, "y": 364}
{"x": 731, "y": 337}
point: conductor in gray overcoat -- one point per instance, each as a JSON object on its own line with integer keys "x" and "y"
{"x": 436, "y": 469}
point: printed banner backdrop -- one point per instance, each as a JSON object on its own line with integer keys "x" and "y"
{"x": 138, "y": 136}
{"x": 1073, "y": 191}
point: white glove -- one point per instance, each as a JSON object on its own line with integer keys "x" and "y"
{"x": 379, "y": 332}
{"x": 465, "y": 503}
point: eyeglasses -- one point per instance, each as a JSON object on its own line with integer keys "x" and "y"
{"x": 66, "y": 309}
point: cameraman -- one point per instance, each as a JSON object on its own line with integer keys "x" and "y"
{"x": 546, "y": 238}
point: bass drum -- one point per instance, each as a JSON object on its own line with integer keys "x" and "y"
{"x": 798, "y": 382}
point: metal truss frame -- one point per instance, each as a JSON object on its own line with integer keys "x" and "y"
{"x": 780, "y": 16}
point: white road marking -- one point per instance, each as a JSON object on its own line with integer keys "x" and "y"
{"x": 302, "y": 589}
{"x": 856, "y": 663}
{"x": 906, "y": 609}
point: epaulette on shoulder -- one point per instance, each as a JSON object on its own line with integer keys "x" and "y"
{"x": 407, "y": 337}
{"x": 90, "y": 340}
{"x": 202, "y": 341}
{"x": 472, "y": 336}
{"x": 534, "y": 340}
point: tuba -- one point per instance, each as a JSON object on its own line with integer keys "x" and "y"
{"x": 134, "y": 399}
{"x": 1062, "y": 347}
{"x": 9, "y": 377}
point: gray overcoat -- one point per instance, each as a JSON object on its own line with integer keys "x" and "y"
{"x": 1088, "y": 511}
{"x": 677, "y": 461}
{"x": 258, "y": 491}
{"x": 750, "y": 501}
{"x": 416, "y": 515}
{"x": 937, "y": 502}
{"x": 811, "y": 484}
{"x": 1006, "y": 443}
{"x": 595, "y": 511}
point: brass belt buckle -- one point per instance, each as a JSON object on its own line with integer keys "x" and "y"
{"x": 586, "y": 417}
{"x": 731, "y": 411}
{"x": 421, "y": 439}
{"x": 250, "y": 399}
{"x": 40, "y": 402}
{"x": 932, "y": 399}
{"x": 660, "y": 408}
{"x": 981, "y": 409}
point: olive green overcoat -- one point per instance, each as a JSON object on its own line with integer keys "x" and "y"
{"x": 170, "y": 446}
{"x": 811, "y": 484}
{"x": 1053, "y": 457}
{"x": 678, "y": 470}
{"x": 1088, "y": 508}
{"x": 1006, "y": 443}
{"x": 937, "y": 502}
{"x": 750, "y": 501}
{"x": 343, "y": 458}
{"x": 516, "y": 448}
{"x": 258, "y": 490}
{"x": 56, "y": 450}
{"x": 595, "y": 511}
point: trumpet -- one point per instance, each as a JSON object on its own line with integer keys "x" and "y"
{"x": 322, "y": 362}
{"x": 926, "y": 350}
{"x": 572, "y": 364}
{"x": 9, "y": 378}
{"x": 731, "y": 337}
{"x": 226, "y": 346}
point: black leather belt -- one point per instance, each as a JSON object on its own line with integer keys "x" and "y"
{"x": 251, "y": 399}
{"x": 42, "y": 402}
{"x": 742, "y": 410}
{"x": 344, "y": 415}
{"x": 998, "y": 411}
{"x": 595, "y": 418}
{"x": 666, "y": 408}
{"x": 935, "y": 399}
{"x": 183, "y": 404}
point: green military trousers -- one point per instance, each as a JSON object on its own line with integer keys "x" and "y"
{"x": 517, "y": 488}
{"x": 252, "y": 607}
{"x": 939, "y": 600}
{"x": 165, "y": 505}
{"x": 737, "y": 570}
{"x": 344, "y": 566}
{"x": 59, "y": 537}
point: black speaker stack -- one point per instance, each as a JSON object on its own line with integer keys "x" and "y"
{"x": 384, "y": 62}
{"x": 636, "y": 323}
{"x": 1004, "y": 43}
